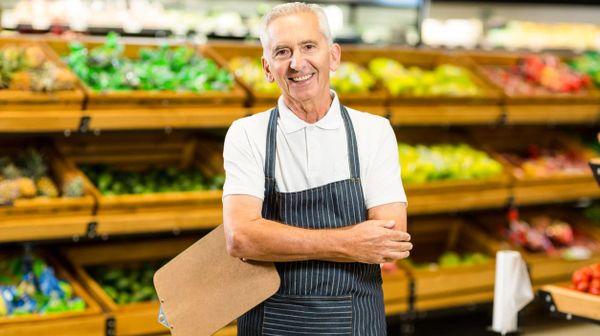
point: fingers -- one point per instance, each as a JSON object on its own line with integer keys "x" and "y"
{"x": 392, "y": 256}
{"x": 399, "y": 246}
{"x": 399, "y": 235}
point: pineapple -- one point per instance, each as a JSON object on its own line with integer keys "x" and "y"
{"x": 33, "y": 164}
{"x": 46, "y": 187}
{"x": 11, "y": 172}
{"x": 9, "y": 191}
{"x": 73, "y": 187}
{"x": 34, "y": 57}
{"x": 21, "y": 80}
{"x": 27, "y": 188}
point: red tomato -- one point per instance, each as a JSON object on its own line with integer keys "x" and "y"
{"x": 595, "y": 284}
{"x": 596, "y": 271}
{"x": 594, "y": 290}
{"x": 582, "y": 286}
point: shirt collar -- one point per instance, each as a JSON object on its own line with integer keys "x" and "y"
{"x": 291, "y": 123}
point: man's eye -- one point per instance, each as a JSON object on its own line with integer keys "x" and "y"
{"x": 309, "y": 46}
{"x": 282, "y": 53}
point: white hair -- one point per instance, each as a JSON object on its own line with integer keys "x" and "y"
{"x": 289, "y": 9}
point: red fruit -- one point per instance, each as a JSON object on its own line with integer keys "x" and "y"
{"x": 587, "y": 271}
{"x": 594, "y": 290}
{"x": 582, "y": 286}
{"x": 595, "y": 271}
{"x": 595, "y": 283}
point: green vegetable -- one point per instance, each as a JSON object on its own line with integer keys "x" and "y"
{"x": 104, "y": 68}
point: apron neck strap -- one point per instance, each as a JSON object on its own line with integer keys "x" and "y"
{"x": 272, "y": 144}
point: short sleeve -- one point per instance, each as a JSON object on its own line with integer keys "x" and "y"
{"x": 383, "y": 183}
{"x": 243, "y": 168}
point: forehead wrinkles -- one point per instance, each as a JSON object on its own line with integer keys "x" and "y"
{"x": 287, "y": 29}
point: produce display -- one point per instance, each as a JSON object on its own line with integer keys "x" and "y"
{"x": 587, "y": 279}
{"x": 111, "y": 181}
{"x": 538, "y": 75}
{"x": 451, "y": 259}
{"x": 421, "y": 163}
{"x": 588, "y": 63}
{"x": 27, "y": 68}
{"x": 250, "y": 70}
{"x": 444, "y": 80}
{"x": 352, "y": 78}
{"x": 593, "y": 213}
{"x": 29, "y": 286}
{"x": 551, "y": 236}
{"x": 28, "y": 177}
{"x": 127, "y": 283}
{"x": 104, "y": 68}
{"x": 545, "y": 162}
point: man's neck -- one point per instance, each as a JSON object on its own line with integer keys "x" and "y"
{"x": 310, "y": 111}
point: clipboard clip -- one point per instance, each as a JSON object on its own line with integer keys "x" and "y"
{"x": 162, "y": 318}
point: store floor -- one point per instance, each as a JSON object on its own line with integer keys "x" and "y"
{"x": 535, "y": 321}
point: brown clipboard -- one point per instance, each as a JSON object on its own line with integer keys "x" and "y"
{"x": 204, "y": 288}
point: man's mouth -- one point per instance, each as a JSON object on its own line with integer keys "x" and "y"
{"x": 301, "y": 78}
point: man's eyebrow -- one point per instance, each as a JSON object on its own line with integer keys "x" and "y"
{"x": 308, "y": 41}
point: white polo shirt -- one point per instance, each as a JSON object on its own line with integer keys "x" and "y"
{"x": 312, "y": 155}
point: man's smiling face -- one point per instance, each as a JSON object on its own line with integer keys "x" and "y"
{"x": 298, "y": 57}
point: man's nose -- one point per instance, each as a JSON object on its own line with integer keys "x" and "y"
{"x": 297, "y": 61}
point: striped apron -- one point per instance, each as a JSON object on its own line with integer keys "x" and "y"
{"x": 318, "y": 297}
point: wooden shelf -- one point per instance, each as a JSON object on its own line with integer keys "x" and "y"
{"x": 475, "y": 199}
{"x": 39, "y": 121}
{"x": 555, "y": 192}
{"x": 571, "y": 302}
{"x": 163, "y": 221}
{"x": 552, "y": 114}
{"x": 124, "y": 119}
{"x": 43, "y": 228}
{"x": 420, "y": 115}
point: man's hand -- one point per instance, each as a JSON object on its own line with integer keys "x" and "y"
{"x": 376, "y": 242}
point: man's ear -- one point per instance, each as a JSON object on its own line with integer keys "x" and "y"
{"x": 335, "y": 56}
{"x": 267, "y": 70}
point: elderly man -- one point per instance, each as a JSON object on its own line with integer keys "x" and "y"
{"x": 315, "y": 187}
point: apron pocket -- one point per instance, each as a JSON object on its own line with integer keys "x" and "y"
{"x": 288, "y": 315}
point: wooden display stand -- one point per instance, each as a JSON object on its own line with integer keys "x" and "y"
{"x": 409, "y": 110}
{"x": 89, "y": 322}
{"x": 528, "y": 190}
{"x": 571, "y": 303}
{"x": 156, "y": 212}
{"x": 42, "y": 217}
{"x": 396, "y": 292}
{"x": 452, "y": 286}
{"x": 28, "y": 111}
{"x": 135, "y": 318}
{"x": 452, "y": 195}
{"x": 543, "y": 269}
{"x": 573, "y": 108}
{"x": 119, "y": 110}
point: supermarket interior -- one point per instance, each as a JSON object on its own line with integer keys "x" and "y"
{"x": 113, "y": 115}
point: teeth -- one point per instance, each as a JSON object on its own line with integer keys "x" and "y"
{"x": 300, "y": 79}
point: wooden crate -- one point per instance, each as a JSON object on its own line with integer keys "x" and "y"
{"x": 434, "y": 196}
{"x": 44, "y": 218}
{"x": 455, "y": 286}
{"x": 28, "y": 111}
{"x": 407, "y": 109}
{"x": 91, "y": 321}
{"x": 561, "y": 299}
{"x": 28, "y": 101}
{"x": 543, "y": 269}
{"x": 135, "y": 318}
{"x": 544, "y": 189}
{"x": 139, "y": 99}
{"x": 543, "y": 108}
{"x": 372, "y": 102}
{"x": 396, "y": 292}
{"x": 125, "y": 214}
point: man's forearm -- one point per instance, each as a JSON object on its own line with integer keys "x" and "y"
{"x": 267, "y": 240}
